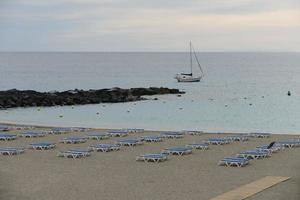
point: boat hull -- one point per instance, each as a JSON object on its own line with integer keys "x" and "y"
{"x": 183, "y": 78}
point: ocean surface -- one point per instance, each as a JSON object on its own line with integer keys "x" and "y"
{"x": 240, "y": 92}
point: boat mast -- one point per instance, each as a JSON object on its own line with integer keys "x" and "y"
{"x": 191, "y": 58}
{"x": 198, "y": 62}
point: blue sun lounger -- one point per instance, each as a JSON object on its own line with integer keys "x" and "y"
{"x": 172, "y": 135}
{"x": 104, "y": 147}
{"x": 11, "y": 151}
{"x": 98, "y": 135}
{"x": 152, "y": 138}
{"x": 152, "y": 157}
{"x": 241, "y": 137}
{"x": 217, "y": 141}
{"x": 42, "y": 145}
{"x": 60, "y": 130}
{"x": 233, "y": 161}
{"x": 134, "y": 130}
{"x": 74, "y": 153}
{"x": 4, "y": 128}
{"x": 178, "y": 150}
{"x": 289, "y": 143}
{"x": 260, "y": 135}
{"x": 193, "y": 132}
{"x": 201, "y": 146}
{"x": 273, "y": 149}
{"x": 7, "y": 137}
{"x": 31, "y": 134}
{"x": 253, "y": 154}
{"x": 130, "y": 142}
{"x": 118, "y": 133}
{"x": 73, "y": 140}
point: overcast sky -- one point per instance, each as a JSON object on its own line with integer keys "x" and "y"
{"x": 149, "y": 25}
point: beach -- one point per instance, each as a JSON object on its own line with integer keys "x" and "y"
{"x": 117, "y": 175}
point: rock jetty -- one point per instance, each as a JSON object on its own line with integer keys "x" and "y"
{"x": 28, "y": 98}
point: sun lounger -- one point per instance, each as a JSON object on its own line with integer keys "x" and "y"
{"x": 134, "y": 130}
{"x": 233, "y": 161}
{"x": 153, "y": 157}
{"x": 74, "y": 153}
{"x": 178, "y": 150}
{"x": 260, "y": 135}
{"x": 152, "y": 138}
{"x": 118, "y": 133}
{"x": 42, "y": 145}
{"x": 193, "y": 132}
{"x": 273, "y": 149}
{"x": 31, "y": 134}
{"x": 130, "y": 142}
{"x": 98, "y": 136}
{"x": 4, "y": 128}
{"x": 289, "y": 143}
{"x": 172, "y": 135}
{"x": 60, "y": 130}
{"x": 241, "y": 138}
{"x": 201, "y": 146}
{"x": 7, "y": 137}
{"x": 104, "y": 147}
{"x": 218, "y": 141}
{"x": 253, "y": 154}
{"x": 73, "y": 140}
{"x": 11, "y": 151}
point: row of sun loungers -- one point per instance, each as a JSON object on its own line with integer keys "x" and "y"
{"x": 263, "y": 151}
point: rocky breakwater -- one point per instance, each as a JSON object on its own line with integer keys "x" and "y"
{"x": 28, "y": 98}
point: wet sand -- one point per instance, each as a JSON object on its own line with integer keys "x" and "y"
{"x": 41, "y": 175}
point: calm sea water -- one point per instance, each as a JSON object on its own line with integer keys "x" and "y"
{"x": 240, "y": 92}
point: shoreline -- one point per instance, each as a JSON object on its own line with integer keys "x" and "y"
{"x": 11, "y": 123}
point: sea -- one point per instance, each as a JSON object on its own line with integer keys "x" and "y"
{"x": 240, "y": 92}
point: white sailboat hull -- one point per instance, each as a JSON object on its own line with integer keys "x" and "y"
{"x": 187, "y": 78}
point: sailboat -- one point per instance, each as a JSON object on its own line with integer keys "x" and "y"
{"x": 190, "y": 77}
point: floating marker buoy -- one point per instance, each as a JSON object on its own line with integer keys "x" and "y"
{"x": 61, "y": 116}
{"x": 38, "y": 109}
{"x": 262, "y": 96}
{"x": 179, "y": 95}
{"x": 97, "y": 113}
{"x": 226, "y": 105}
{"x": 289, "y": 93}
{"x": 72, "y": 107}
{"x": 180, "y": 108}
{"x": 128, "y": 111}
{"x": 250, "y": 104}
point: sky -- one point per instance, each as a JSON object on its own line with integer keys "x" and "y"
{"x": 155, "y": 25}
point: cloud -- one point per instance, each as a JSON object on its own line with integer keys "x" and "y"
{"x": 148, "y": 25}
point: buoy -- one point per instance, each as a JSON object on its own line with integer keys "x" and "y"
{"x": 97, "y": 113}
{"x": 289, "y": 93}
{"x": 179, "y": 95}
{"x": 61, "y": 116}
{"x": 72, "y": 107}
{"x": 38, "y": 109}
{"x": 128, "y": 111}
{"x": 262, "y": 96}
{"x": 180, "y": 108}
{"x": 250, "y": 104}
{"x": 226, "y": 105}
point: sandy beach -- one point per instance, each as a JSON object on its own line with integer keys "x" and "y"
{"x": 116, "y": 175}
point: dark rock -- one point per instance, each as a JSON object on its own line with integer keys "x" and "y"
{"x": 26, "y": 98}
